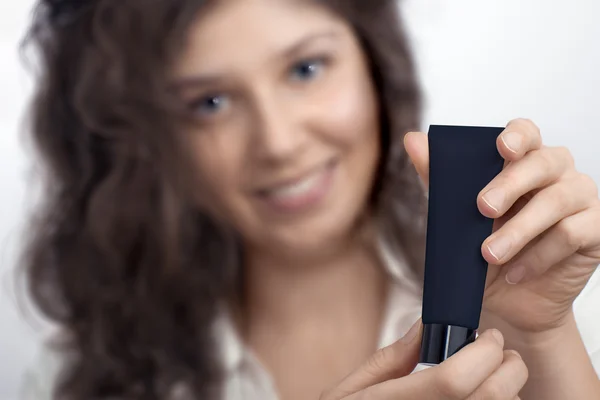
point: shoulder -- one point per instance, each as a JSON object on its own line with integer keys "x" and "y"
{"x": 586, "y": 315}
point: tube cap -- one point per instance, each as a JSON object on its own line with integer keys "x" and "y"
{"x": 441, "y": 341}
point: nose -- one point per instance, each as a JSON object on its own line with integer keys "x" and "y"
{"x": 278, "y": 134}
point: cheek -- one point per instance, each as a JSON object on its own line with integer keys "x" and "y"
{"x": 218, "y": 164}
{"x": 353, "y": 115}
{"x": 348, "y": 112}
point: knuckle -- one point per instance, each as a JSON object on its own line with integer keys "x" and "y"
{"x": 510, "y": 180}
{"x": 520, "y": 373}
{"x": 381, "y": 359}
{"x": 565, "y": 154}
{"x": 514, "y": 357}
{"x": 449, "y": 385}
{"x": 523, "y": 371}
{"x": 569, "y": 235}
{"x": 536, "y": 129}
{"x": 588, "y": 182}
{"x": 547, "y": 159}
{"x": 532, "y": 126}
{"x": 562, "y": 198}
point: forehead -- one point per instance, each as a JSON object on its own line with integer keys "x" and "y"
{"x": 230, "y": 31}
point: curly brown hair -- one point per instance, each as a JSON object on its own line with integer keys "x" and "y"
{"x": 119, "y": 255}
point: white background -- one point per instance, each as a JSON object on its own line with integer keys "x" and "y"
{"x": 482, "y": 63}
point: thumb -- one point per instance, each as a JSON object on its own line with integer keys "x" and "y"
{"x": 417, "y": 147}
{"x": 394, "y": 361}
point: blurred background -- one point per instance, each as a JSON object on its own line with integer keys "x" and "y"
{"x": 481, "y": 63}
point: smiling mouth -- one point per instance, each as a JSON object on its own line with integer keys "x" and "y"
{"x": 302, "y": 193}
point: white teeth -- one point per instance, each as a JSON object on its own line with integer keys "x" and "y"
{"x": 296, "y": 189}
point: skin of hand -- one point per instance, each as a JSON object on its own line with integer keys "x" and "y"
{"x": 482, "y": 370}
{"x": 545, "y": 244}
{"x": 544, "y": 248}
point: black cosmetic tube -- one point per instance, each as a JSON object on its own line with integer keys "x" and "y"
{"x": 462, "y": 161}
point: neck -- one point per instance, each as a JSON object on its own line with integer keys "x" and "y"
{"x": 346, "y": 286}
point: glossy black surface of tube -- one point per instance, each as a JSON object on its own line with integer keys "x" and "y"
{"x": 442, "y": 341}
{"x": 463, "y": 160}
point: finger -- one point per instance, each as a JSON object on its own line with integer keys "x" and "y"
{"x": 544, "y": 210}
{"x": 520, "y": 137}
{"x": 394, "y": 361}
{"x": 506, "y": 382}
{"x": 455, "y": 378}
{"x": 417, "y": 147}
{"x": 570, "y": 235}
{"x": 536, "y": 170}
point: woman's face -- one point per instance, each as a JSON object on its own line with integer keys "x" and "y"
{"x": 287, "y": 140}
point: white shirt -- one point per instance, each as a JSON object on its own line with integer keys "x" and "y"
{"x": 247, "y": 379}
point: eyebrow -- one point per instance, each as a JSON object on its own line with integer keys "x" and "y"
{"x": 302, "y": 43}
{"x": 212, "y": 79}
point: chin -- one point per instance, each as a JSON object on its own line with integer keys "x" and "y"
{"x": 311, "y": 238}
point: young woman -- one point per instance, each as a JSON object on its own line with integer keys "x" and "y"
{"x": 234, "y": 210}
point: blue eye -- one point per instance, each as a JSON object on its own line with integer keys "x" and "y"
{"x": 209, "y": 104}
{"x": 307, "y": 69}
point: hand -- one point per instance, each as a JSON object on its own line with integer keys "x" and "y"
{"x": 482, "y": 370}
{"x": 546, "y": 240}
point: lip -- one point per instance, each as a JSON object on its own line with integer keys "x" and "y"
{"x": 323, "y": 177}
{"x": 297, "y": 178}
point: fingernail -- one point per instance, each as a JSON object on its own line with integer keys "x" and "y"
{"x": 497, "y": 336}
{"x": 515, "y": 274}
{"x": 516, "y": 353}
{"x": 412, "y": 332}
{"x": 513, "y": 141}
{"x": 495, "y": 198}
{"x": 500, "y": 247}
